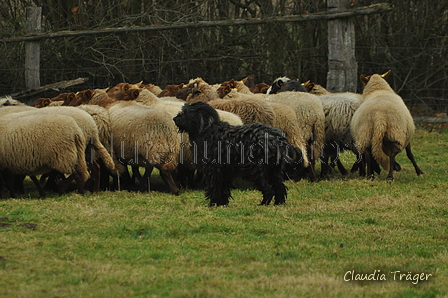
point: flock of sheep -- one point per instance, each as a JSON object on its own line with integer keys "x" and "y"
{"x": 101, "y": 138}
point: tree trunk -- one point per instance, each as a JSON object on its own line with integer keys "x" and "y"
{"x": 32, "y": 48}
{"x": 342, "y": 65}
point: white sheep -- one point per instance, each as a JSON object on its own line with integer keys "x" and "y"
{"x": 311, "y": 122}
{"x": 382, "y": 126}
{"x": 9, "y": 101}
{"x": 146, "y": 137}
{"x": 338, "y": 109}
{"x": 142, "y": 136}
{"x": 36, "y": 144}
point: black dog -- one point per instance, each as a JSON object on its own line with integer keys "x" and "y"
{"x": 257, "y": 151}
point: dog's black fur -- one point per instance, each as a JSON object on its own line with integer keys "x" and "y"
{"x": 257, "y": 151}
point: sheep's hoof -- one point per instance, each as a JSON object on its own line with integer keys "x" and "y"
{"x": 389, "y": 179}
{"x": 371, "y": 177}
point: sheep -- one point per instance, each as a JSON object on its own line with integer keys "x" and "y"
{"x": 260, "y": 88}
{"x": 90, "y": 130}
{"x": 170, "y": 90}
{"x": 5, "y": 110}
{"x": 143, "y": 136}
{"x": 232, "y": 84}
{"x": 248, "y": 109}
{"x": 41, "y": 102}
{"x": 9, "y": 101}
{"x": 339, "y": 109}
{"x": 32, "y": 144}
{"x": 102, "y": 120}
{"x": 285, "y": 84}
{"x": 315, "y": 89}
{"x": 311, "y": 120}
{"x": 153, "y": 88}
{"x": 382, "y": 125}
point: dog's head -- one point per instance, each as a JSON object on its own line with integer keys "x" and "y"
{"x": 195, "y": 118}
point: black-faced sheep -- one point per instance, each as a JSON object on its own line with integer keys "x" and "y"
{"x": 285, "y": 84}
{"x": 382, "y": 126}
{"x": 36, "y": 144}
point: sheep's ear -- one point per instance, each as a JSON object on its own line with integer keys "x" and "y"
{"x": 386, "y": 74}
{"x": 180, "y": 86}
{"x": 71, "y": 96}
{"x": 305, "y": 83}
{"x": 135, "y": 93}
{"x": 46, "y": 102}
{"x": 244, "y": 80}
{"x": 280, "y": 83}
{"x": 89, "y": 93}
{"x": 364, "y": 79}
{"x": 232, "y": 83}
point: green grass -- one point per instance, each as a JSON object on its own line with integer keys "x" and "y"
{"x": 123, "y": 244}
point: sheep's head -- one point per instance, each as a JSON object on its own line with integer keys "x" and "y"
{"x": 67, "y": 98}
{"x": 82, "y": 97}
{"x": 314, "y": 88}
{"x": 225, "y": 89}
{"x": 260, "y": 88}
{"x": 101, "y": 98}
{"x": 41, "y": 102}
{"x": 366, "y": 79}
{"x": 170, "y": 90}
{"x": 277, "y": 84}
{"x": 131, "y": 94}
{"x": 119, "y": 91}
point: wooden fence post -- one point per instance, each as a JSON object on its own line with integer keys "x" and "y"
{"x": 32, "y": 49}
{"x": 342, "y": 66}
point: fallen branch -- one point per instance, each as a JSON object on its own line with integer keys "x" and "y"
{"x": 54, "y": 86}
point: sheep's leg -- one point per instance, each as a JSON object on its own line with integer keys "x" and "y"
{"x": 341, "y": 166}
{"x": 312, "y": 162}
{"x": 390, "y": 176}
{"x": 51, "y": 181}
{"x": 79, "y": 182}
{"x": 39, "y": 187}
{"x": 412, "y": 159}
{"x": 145, "y": 180}
{"x": 324, "y": 167}
{"x": 18, "y": 184}
{"x": 8, "y": 178}
{"x": 96, "y": 175}
{"x": 168, "y": 178}
{"x": 136, "y": 174}
{"x": 368, "y": 158}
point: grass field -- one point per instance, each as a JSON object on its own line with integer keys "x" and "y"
{"x": 123, "y": 244}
